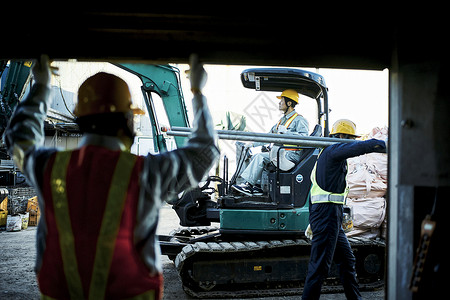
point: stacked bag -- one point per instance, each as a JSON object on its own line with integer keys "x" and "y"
{"x": 367, "y": 180}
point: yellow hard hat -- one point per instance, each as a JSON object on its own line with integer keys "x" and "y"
{"x": 104, "y": 93}
{"x": 291, "y": 94}
{"x": 344, "y": 126}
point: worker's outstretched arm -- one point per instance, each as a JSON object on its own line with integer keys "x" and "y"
{"x": 175, "y": 171}
{"x": 25, "y": 131}
{"x": 343, "y": 151}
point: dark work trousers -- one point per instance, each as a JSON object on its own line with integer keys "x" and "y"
{"x": 329, "y": 242}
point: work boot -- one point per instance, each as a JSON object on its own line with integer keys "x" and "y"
{"x": 245, "y": 188}
{"x": 248, "y": 189}
{"x": 257, "y": 191}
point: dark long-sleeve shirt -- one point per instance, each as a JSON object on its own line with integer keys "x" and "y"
{"x": 331, "y": 170}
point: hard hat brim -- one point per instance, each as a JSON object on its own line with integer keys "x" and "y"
{"x": 136, "y": 110}
{"x": 280, "y": 97}
{"x": 353, "y": 135}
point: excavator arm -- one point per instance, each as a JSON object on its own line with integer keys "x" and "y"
{"x": 164, "y": 80}
{"x": 14, "y": 79}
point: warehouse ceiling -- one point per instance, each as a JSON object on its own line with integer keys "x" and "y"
{"x": 313, "y": 35}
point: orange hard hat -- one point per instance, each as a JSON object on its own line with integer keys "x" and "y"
{"x": 104, "y": 93}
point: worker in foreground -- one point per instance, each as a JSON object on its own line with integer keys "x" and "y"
{"x": 100, "y": 203}
{"x": 328, "y": 192}
{"x": 291, "y": 123}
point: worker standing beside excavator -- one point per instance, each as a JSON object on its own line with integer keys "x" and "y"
{"x": 328, "y": 192}
{"x": 100, "y": 203}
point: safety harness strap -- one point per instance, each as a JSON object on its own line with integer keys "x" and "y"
{"x": 288, "y": 121}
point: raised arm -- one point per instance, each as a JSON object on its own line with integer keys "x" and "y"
{"x": 343, "y": 151}
{"x": 183, "y": 168}
{"x": 25, "y": 132}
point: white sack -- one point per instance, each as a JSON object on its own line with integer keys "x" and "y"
{"x": 13, "y": 223}
{"x": 378, "y": 133}
{"x": 368, "y": 212}
{"x": 376, "y": 162}
{"x": 363, "y": 179}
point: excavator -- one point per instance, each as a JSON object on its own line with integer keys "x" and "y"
{"x": 258, "y": 245}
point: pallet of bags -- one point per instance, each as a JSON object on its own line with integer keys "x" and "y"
{"x": 367, "y": 181}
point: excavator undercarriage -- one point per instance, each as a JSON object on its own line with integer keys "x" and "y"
{"x": 224, "y": 266}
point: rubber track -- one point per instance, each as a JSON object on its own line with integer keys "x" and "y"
{"x": 245, "y": 246}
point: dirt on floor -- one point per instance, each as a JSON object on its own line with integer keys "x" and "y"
{"x": 18, "y": 253}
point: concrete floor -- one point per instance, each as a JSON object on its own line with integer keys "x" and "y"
{"x": 18, "y": 252}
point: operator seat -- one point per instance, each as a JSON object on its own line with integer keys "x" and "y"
{"x": 291, "y": 188}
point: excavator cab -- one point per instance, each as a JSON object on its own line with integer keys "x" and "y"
{"x": 283, "y": 207}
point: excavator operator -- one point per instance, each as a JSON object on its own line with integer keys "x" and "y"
{"x": 328, "y": 192}
{"x": 292, "y": 123}
{"x": 100, "y": 203}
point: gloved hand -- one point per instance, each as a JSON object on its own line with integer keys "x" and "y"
{"x": 381, "y": 149}
{"x": 197, "y": 75}
{"x": 308, "y": 232}
{"x": 41, "y": 71}
{"x": 282, "y": 129}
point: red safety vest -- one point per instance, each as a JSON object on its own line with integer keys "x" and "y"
{"x": 91, "y": 197}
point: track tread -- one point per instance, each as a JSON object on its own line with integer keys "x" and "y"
{"x": 253, "y": 246}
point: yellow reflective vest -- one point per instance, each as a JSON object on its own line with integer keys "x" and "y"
{"x": 318, "y": 195}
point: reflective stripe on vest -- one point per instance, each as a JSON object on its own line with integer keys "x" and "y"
{"x": 108, "y": 230}
{"x": 318, "y": 195}
{"x": 64, "y": 226}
